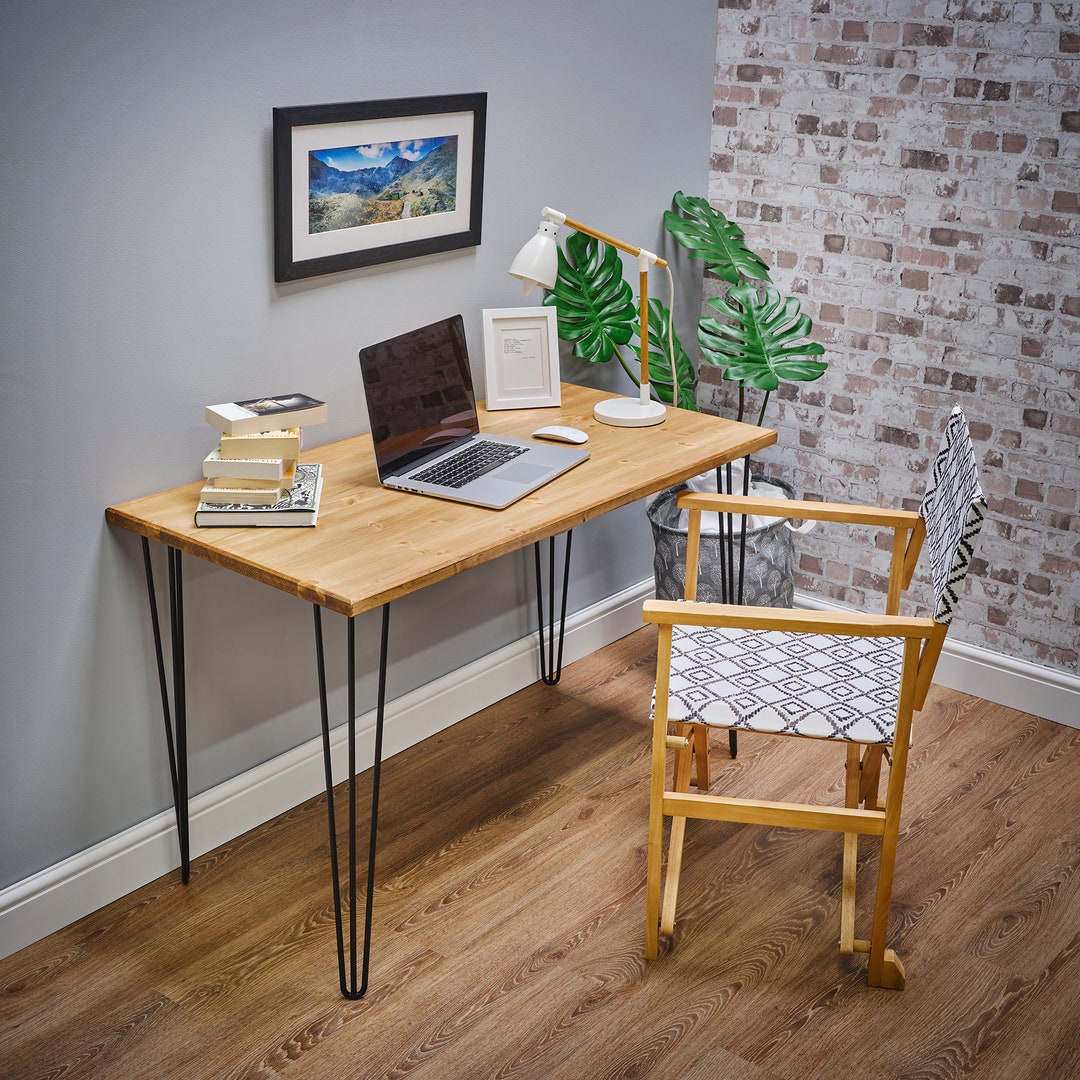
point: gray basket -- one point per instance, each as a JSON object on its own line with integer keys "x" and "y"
{"x": 769, "y": 580}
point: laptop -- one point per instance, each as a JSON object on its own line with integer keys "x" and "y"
{"x": 426, "y": 432}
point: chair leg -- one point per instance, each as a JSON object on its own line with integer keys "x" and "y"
{"x": 684, "y": 754}
{"x": 652, "y": 886}
{"x": 702, "y": 779}
{"x": 697, "y": 752}
{"x": 885, "y": 968}
{"x": 680, "y": 782}
{"x": 655, "y": 849}
{"x": 851, "y": 854}
{"x": 871, "y": 776}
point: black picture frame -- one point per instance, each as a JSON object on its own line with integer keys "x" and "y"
{"x": 326, "y": 220}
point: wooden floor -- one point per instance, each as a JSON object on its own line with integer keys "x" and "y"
{"x": 510, "y": 909}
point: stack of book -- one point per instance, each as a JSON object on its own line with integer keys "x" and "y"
{"x": 252, "y": 475}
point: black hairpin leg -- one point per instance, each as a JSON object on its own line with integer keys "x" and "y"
{"x": 732, "y": 590}
{"x": 176, "y": 718}
{"x": 551, "y": 648}
{"x": 347, "y": 973}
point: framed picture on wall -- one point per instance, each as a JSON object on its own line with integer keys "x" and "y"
{"x": 365, "y": 182}
{"x": 521, "y": 358}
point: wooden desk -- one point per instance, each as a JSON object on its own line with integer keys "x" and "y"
{"x": 372, "y": 546}
{"x": 410, "y": 541}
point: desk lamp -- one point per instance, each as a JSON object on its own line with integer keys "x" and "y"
{"x": 538, "y": 264}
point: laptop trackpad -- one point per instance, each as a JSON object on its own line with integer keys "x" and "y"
{"x": 517, "y": 472}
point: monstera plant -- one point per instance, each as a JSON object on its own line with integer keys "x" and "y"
{"x": 756, "y": 337}
{"x": 753, "y": 335}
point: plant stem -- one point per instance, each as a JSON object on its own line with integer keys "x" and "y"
{"x": 761, "y": 415}
{"x": 631, "y": 370}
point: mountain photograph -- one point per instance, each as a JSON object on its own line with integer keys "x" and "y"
{"x": 353, "y": 186}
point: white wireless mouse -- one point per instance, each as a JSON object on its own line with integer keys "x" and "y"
{"x": 558, "y": 433}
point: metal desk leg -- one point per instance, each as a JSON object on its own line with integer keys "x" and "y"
{"x": 177, "y": 718}
{"x": 732, "y": 593}
{"x": 551, "y": 651}
{"x": 348, "y": 979}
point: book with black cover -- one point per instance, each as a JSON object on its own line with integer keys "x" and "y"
{"x": 299, "y": 507}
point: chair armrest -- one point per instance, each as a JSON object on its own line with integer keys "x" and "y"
{"x": 855, "y": 624}
{"x": 797, "y": 508}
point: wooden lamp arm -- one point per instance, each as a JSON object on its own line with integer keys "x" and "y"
{"x": 622, "y": 245}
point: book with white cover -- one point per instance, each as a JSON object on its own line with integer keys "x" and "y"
{"x": 264, "y": 414}
{"x": 230, "y": 489}
{"x": 300, "y": 506}
{"x": 262, "y": 444}
{"x": 244, "y": 483}
{"x": 268, "y": 469}
{"x": 216, "y": 493}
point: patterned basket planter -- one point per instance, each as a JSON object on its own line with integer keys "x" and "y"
{"x": 769, "y": 579}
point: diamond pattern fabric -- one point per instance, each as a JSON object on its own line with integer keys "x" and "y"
{"x": 817, "y": 685}
{"x": 953, "y": 509}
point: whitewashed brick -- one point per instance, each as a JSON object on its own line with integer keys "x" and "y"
{"x": 921, "y": 162}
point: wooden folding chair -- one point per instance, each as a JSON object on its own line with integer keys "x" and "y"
{"x": 855, "y": 678}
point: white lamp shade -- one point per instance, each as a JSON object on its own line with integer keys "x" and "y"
{"x": 537, "y": 263}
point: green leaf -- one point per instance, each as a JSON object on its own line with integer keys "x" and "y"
{"x": 709, "y": 236}
{"x": 673, "y": 384}
{"x": 763, "y": 339}
{"x": 594, "y": 303}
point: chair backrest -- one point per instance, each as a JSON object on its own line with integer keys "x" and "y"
{"x": 953, "y": 510}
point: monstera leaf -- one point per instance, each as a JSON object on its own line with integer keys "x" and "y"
{"x": 594, "y": 303}
{"x": 763, "y": 341}
{"x": 709, "y": 236}
{"x": 755, "y": 337}
{"x": 672, "y": 383}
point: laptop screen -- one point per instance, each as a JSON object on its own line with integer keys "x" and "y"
{"x": 419, "y": 394}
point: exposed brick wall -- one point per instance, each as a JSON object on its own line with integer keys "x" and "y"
{"x": 913, "y": 178}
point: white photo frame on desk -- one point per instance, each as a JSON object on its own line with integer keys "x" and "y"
{"x": 521, "y": 358}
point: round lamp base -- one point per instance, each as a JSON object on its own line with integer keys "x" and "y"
{"x": 629, "y": 412}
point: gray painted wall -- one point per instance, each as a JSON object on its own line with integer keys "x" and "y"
{"x": 136, "y": 286}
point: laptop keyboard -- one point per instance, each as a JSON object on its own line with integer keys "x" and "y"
{"x": 473, "y": 461}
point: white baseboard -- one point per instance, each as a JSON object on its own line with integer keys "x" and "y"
{"x": 1019, "y": 684}
{"x": 58, "y": 895}
{"x": 1031, "y": 688}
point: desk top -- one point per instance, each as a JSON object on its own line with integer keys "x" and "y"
{"x": 373, "y": 545}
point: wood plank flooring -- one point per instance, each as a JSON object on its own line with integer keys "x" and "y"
{"x": 509, "y": 919}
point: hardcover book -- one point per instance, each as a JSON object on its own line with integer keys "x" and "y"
{"x": 299, "y": 506}
{"x": 264, "y": 414}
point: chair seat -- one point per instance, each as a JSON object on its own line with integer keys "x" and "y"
{"x": 815, "y": 685}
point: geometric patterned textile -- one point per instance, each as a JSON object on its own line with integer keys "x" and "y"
{"x": 819, "y": 685}
{"x": 953, "y": 509}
